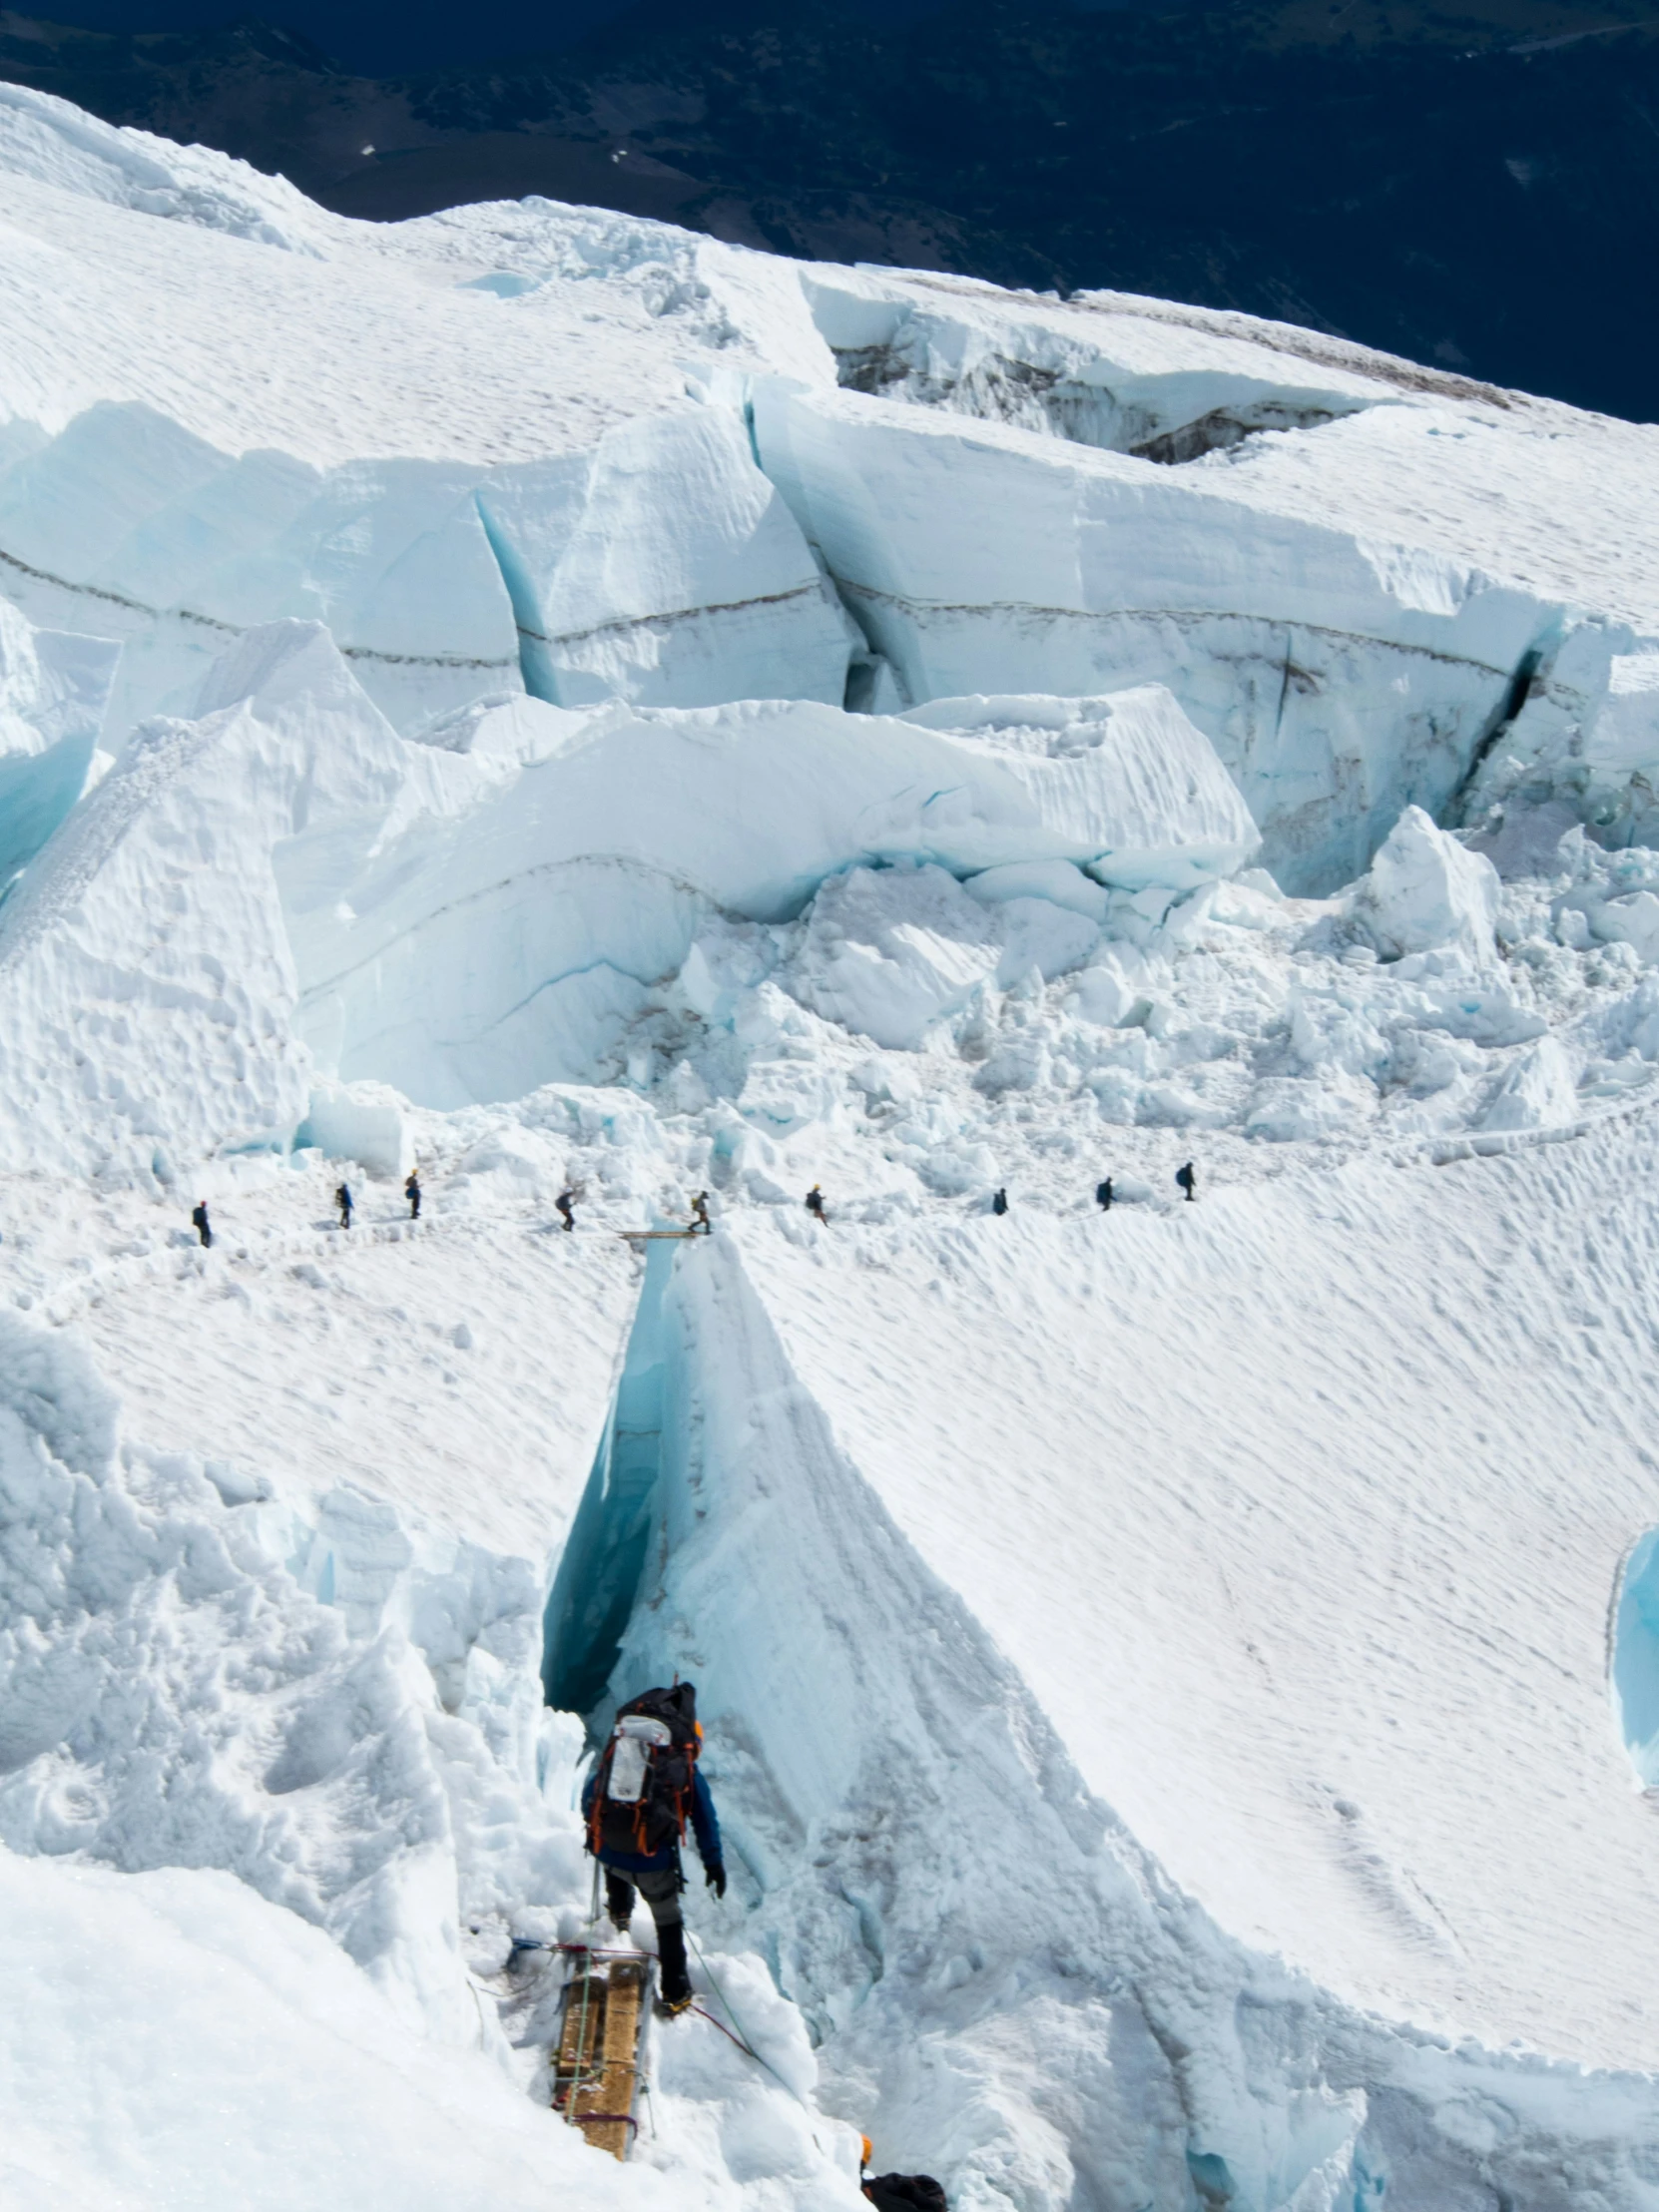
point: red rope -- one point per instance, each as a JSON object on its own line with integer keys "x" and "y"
{"x": 727, "y": 2033}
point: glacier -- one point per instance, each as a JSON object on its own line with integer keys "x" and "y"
{"x": 574, "y": 707}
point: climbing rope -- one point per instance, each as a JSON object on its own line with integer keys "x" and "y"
{"x": 741, "y": 2039}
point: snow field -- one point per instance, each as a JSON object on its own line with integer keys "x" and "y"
{"x": 559, "y": 702}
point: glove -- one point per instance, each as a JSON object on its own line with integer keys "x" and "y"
{"x": 715, "y": 1876}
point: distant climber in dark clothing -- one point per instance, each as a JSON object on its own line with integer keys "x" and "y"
{"x": 700, "y": 1214}
{"x": 343, "y": 1199}
{"x": 563, "y": 1203}
{"x": 199, "y": 1222}
{"x": 411, "y": 1191}
{"x": 1000, "y": 1204}
{"x": 1187, "y": 1179}
{"x": 666, "y": 1788}
{"x": 1103, "y": 1195}
{"x": 814, "y": 1203}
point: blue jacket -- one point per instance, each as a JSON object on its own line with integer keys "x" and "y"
{"x": 705, "y": 1828}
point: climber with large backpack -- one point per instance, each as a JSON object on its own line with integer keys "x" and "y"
{"x": 644, "y": 1787}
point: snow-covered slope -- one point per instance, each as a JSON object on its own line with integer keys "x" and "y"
{"x": 571, "y": 706}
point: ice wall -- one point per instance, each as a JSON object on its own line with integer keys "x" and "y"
{"x": 601, "y": 457}
{"x": 659, "y": 565}
{"x": 54, "y": 697}
{"x": 1339, "y": 679}
{"x": 1113, "y": 381}
{"x": 1635, "y": 1658}
{"x": 130, "y": 526}
{"x": 507, "y": 943}
{"x": 603, "y": 1558}
{"x": 664, "y": 568}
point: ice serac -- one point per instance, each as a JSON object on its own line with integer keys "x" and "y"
{"x": 1080, "y": 372}
{"x": 888, "y": 953}
{"x": 131, "y": 527}
{"x": 54, "y": 694}
{"x": 1338, "y": 676}
{"x": 336, "y": 904}
{"x": 1166, "y": 812}
{"x": 663, "y": 567}
{"x": 55, "y": 142}
{"x": 475, "y": 953}
{"x": 1537, "y": 1091}
{"x": 1425, "y": 893}
{"x": 147, "y": 983}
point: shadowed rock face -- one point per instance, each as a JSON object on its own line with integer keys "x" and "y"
{"x": 1474, "y": 191}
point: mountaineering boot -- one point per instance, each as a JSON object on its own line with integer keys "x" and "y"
{"x": 618, "y": 1903}
{"x": 671, "y": 1956}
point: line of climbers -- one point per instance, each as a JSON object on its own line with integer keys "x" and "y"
{"x": 565, "y": 1204}
{"x": 201, "y": 1223}
{"x": 645, "y": 1786}
{"x": 1186, "y": 1181}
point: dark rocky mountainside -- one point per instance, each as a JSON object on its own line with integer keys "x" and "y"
{"x": 1478, "y": 187}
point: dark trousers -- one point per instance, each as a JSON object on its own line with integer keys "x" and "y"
{"x": 661, "y": 1890}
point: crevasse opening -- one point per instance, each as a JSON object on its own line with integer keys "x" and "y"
{"x": 598, "y": 1572}
{"x": 1635, "y": 1658}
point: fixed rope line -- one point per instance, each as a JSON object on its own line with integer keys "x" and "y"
{"x": 741, "y": 2037}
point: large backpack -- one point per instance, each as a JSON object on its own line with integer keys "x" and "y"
{"x": 644, "y": 1781}
{"x": 905, "y": 2193}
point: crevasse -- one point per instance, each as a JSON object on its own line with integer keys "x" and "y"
{"x": 978, "y": 1943}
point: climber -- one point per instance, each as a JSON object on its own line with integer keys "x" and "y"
{"x": 815, "y": 1204}
{"x": 1103, "y": 1195}
{"x": 199, "y": 1222}
{"x": 343, "y": 1199}
{"x": 900, "y": 2192}
{"x": 1187, "y": 1179}
{"x": 411, "y": 1191}
{"x": 700, "y": 1214}
{"x": 635, "y": 1803}
{"x": 563, "y": 1203}
{"x": 999, "y": 1203}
